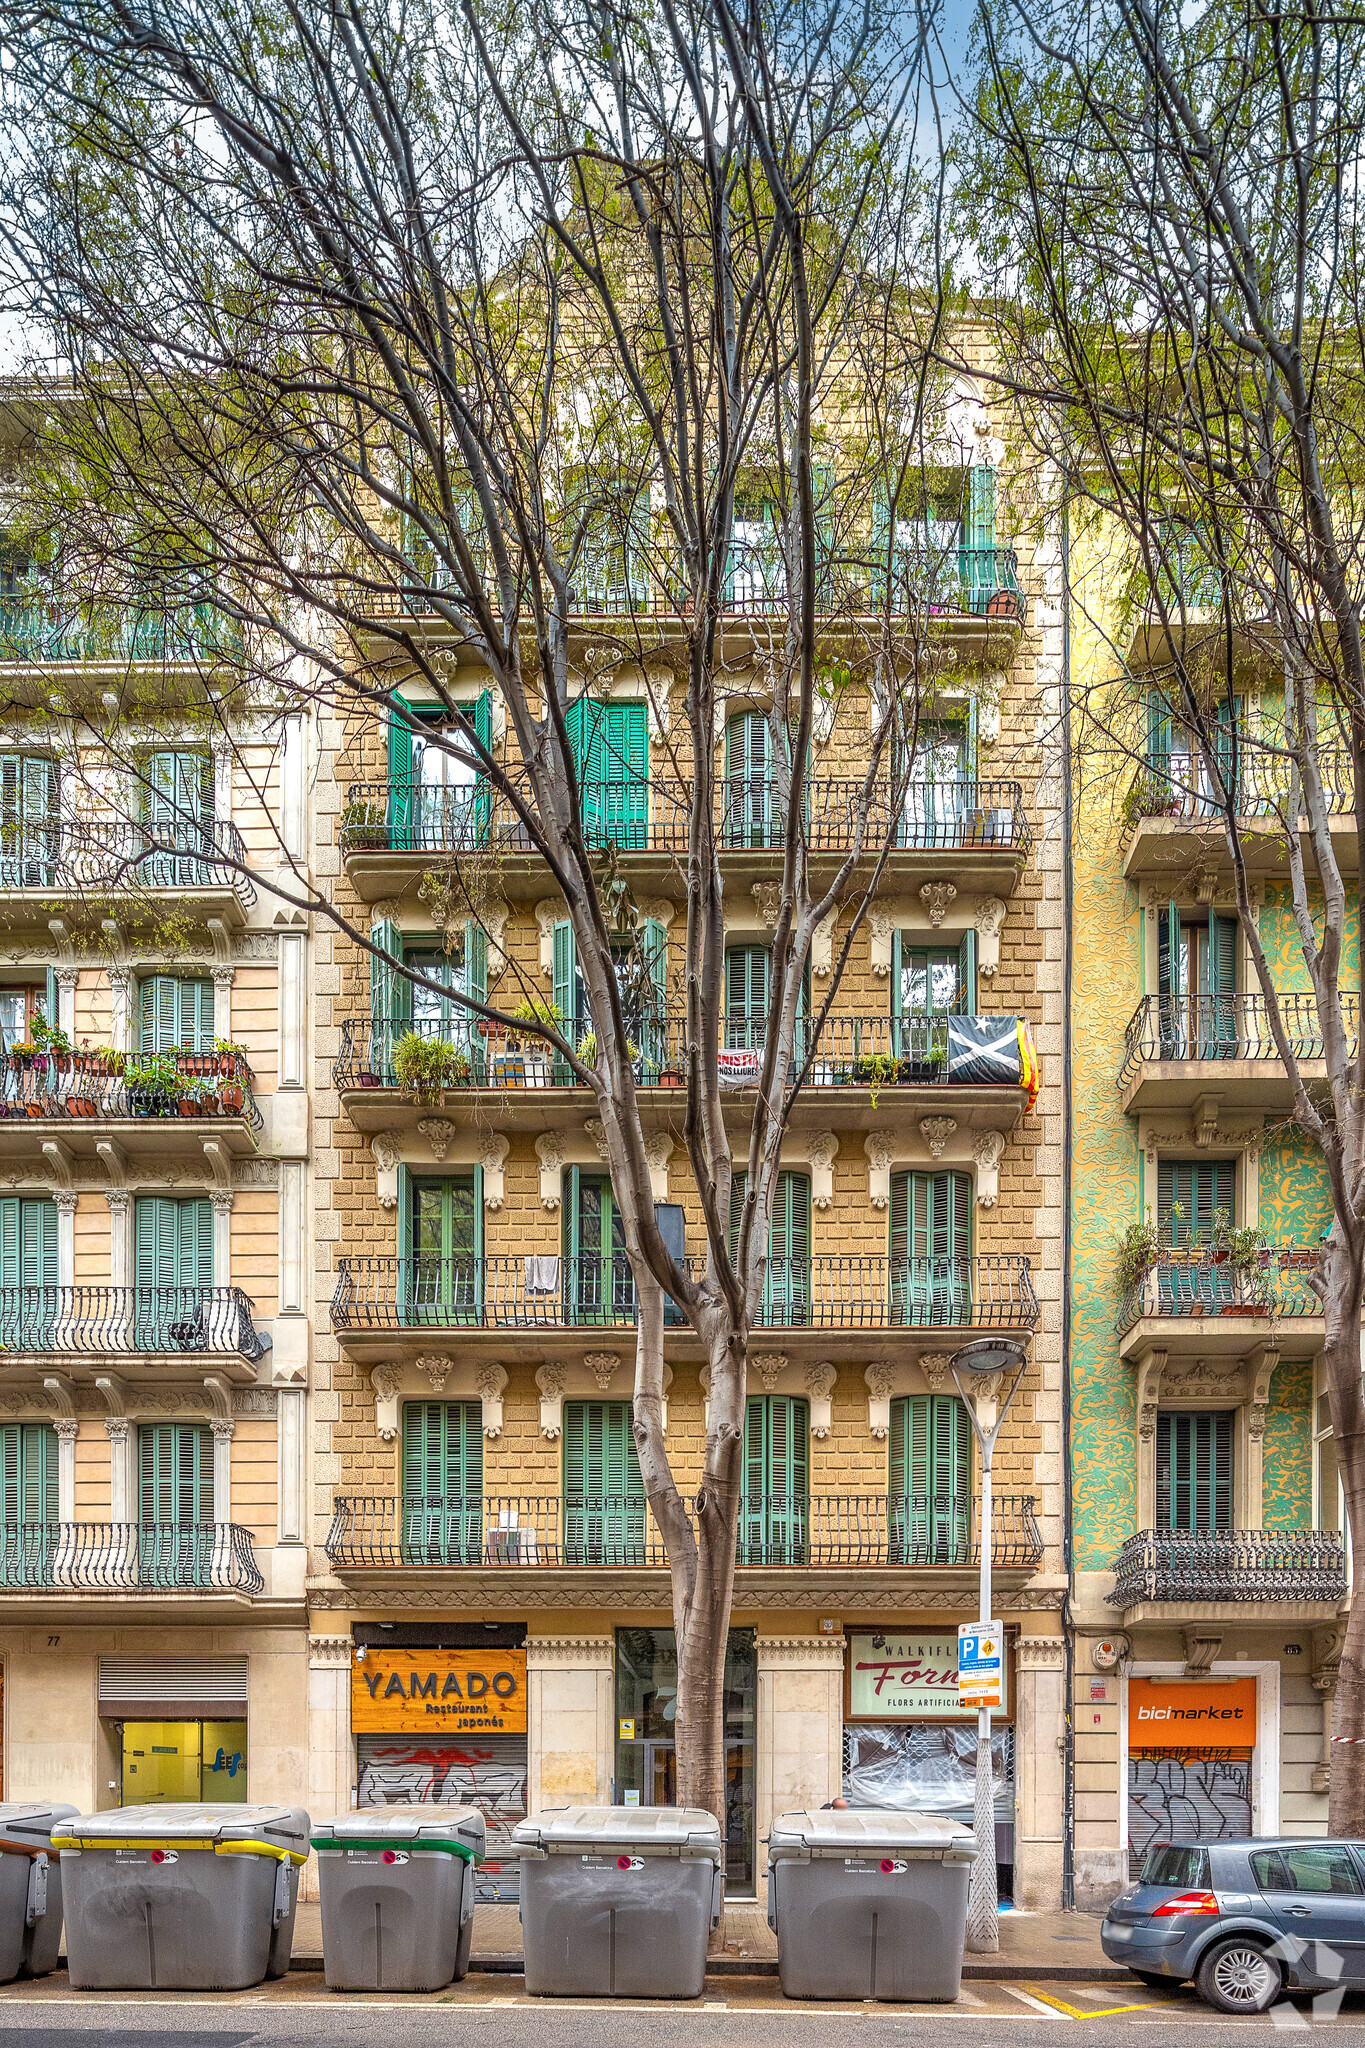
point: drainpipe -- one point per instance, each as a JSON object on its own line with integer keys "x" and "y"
{"x": 1068, "y": 1548}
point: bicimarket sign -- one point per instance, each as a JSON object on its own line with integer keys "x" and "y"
{"x": 439, "y": 1692}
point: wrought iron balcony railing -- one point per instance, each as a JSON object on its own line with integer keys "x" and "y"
{"x": 128, "y": 1321}
{"x": 88, "y": 1086}
{"x": 54, "y": 628}
{"x": 917, "y": 1531}
{"x": 1232, "y": 1027}
{"x": 653, "y": 817}
{"x": 543, "y": 1291}
{"x": 1230, "y": 1564}
{"x": 1200, "y": 1280}
{"x": 118, "y": 1557}
{"x": 1177, "y": 785}
{"x": 925, "y": 582}
{"x": 846, "y": 1052}
{"x": 111, "y": 855}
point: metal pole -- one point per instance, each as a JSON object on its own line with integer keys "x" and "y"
{"x": 983, "y": 1904}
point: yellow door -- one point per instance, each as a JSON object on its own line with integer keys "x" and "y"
{"x": 161, "y": 1761}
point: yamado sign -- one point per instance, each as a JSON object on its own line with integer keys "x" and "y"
{"x": 439, "y": 1692}
{"x": 911, "y": 1676}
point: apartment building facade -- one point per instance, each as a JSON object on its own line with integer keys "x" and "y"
{"x": 154, "y": 1213}
{"x": 488, "y": 1605}
{"x": 1210, "y": 1572}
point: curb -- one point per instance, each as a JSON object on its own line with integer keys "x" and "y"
{"x": 766, "y": 1966}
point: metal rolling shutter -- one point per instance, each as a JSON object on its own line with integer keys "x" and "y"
{"x": 489, "y": 1772}
{"x": 173, "y": 1688}
{"x": 1187, "y": 1798}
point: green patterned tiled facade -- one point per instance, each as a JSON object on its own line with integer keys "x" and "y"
{"x": 1287, "y": 1488}
{"x": 1296, "y": 1200}
{"x": 1280, "y": 939}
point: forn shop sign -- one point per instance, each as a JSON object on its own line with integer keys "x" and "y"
{"x": 446, "y": 1692}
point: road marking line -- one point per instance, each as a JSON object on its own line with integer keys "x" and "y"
{"x": 969, "y": 1997}
{"x": 1027, "y": 1998}
{"x": 1077, "y": 2012}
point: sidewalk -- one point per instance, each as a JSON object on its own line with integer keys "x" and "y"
{"x": 1064, "y": 1947}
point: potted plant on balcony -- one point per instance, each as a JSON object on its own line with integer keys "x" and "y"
{"x": 1140, "y": 1248}
{"x": 53, "y": 1042}
{"x": 528, "y": 1059}
{"x": 1149, "y": 796}
{"x": 22, "y": 1054}
{"x": 425, "y": 1067}
{"x": 154, "y": 1085}
{"x": 198, "y": 1095}
{"x": 365, "y": 825}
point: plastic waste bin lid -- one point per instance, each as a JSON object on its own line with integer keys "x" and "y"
{"x": 282, "y": 1827}
{"x": 28, "y": 1823}
{"x": 665, "y": 1829}
{"x": 430, "y": 1827}
{"x": 866, "y": 1831}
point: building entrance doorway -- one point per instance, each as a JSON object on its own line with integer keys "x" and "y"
{"x": 646, "y": 1757}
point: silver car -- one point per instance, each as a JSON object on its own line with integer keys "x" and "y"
{"x": 1245, "y": 1919}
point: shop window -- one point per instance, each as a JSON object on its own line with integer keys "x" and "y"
{"x": 646, "y": 1707}
{"x": 180, "y": 1761}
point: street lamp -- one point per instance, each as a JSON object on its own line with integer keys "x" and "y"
{"x": 988, "y": 1374}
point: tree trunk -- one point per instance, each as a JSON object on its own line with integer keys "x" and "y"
{"x": 1341, "y": 1357}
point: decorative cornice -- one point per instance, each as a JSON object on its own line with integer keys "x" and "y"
{"x": 554, "y": 1652}
{"x": 325, "y": 1651}
{"x": 1040, "y": 1653}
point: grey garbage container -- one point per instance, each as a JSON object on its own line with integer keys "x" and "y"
{"x": 618, "y": 1901}
{"x": 397, "y": 1887}
{"x": 180, "y": 1898}
{"x": 30, "y": 1888}
{"x": 869, "y": 1903}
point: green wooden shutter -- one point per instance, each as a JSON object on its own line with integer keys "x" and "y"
{"x": 930, "y": 1469}
{"x": 176, "y": 1014}
{"x": 28, "y": 1476}
{"x": 564, "y": 992}
{"x": 1199, "y": 1187}
{"x": 175, "y": 1473}
{"x": 465, "y": 1026}
{"x": 966, "y": 975}
{"x": 930, "y": 1245}
{"x": 1194, "y": 1470}
{"x": 483, "y": 789}
{"x": 749, "y": 809}
{"x": 654, "y": 1023}
{"x": 443, "y": 1505}
{"x": 747, "y": 985}
{"x": 1160, "y": 734}
{"x": 775, "y": 1507}
{"x": 28, "y": 1272}
{"x": 604, "y": 1494}
{"x": 400, "y": 778}
{"x": 388, "y": 1010}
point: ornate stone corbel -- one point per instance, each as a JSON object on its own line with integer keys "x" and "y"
{"x": 880, "y": 1381}
{"x": 880, "y": 1147}
{"x": 62, "y": 1397}
{"x": 550, "y": 1379}
{"x": 385, "y": 1379}
{"x": 602, "y": 1365}
{"x": 936, "y": 898}
{"x": 882, "y": 921}
{"x": 987, "y": 1150}
{"x": 220, "y": 1396}
{"x": 435, "y": 1368}
{"x": 596, "y": 1131}
{"x": 493, "y": 1152}
{"x": 990, "y": 916}
{"x": 822, "y": 945}
{"x": 550, "y": 911}
{"x": 439, "y": 1133}
{"x": 820, "y": 1389}
{"x": 493, "y": 917}
{"x": 768, "y": 1365}
{"x": 1151, "y": 1365}
{"x": 936, "y": 1131}
{"x": 822, "y": 1148}
{"x": 936, "y": 1366}
{"x": 1204, "y": 1120}
{"x": 1202, "y": 1644}
{"x": 658, "y": 1152}
{"x": 491, "y": 1382}
{"x": 1260, "y": 1366}
{"x": 550, "y": 1153}
{"x": 384, "y": 1148}
{"x": 768, "y": 900}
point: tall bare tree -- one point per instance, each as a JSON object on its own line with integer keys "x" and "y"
{"x": 385, "y": 329}
{"x": 1165, "y": 206}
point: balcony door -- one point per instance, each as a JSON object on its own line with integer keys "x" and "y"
{"x": 1194, "y": 1469}
{"x": 752, "y": 808}
{"x": 599, "y": 1284}
{"x": 929, "y": 984}
{"x": 444, "y": 1269}
{"x": 1197, "y": 985}
{"x": 28, "y": 1494}
{"x": 1193, "y": 1196}
{"x": 438, "y": 799}
{"x": 931, "y": 1220}
{"x": 611, "y": 757}
{"x": 175, "y": 1014}
{"x": 774, "y": 1513}
{"x": 175, "y": 1503}
{"x": 28, "y": 1272}
{"x": 179, "y": 802}
{"x": 442, "y": 1482}
{"x": 604, "y": 1494}
{"x": 929, "y": 1469}
{"x": 29, "y": 830}
{"x": 787, "y": 1276}
{"x": 172, "y": 1272}
{"x": 937, "y": 793}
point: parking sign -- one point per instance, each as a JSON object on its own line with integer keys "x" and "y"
{"x": 980, "y": 1663}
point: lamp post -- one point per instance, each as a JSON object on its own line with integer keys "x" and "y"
{"x": 987, "y": 1374}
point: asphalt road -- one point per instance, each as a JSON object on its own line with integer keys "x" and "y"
{"x": 494, "y": 2012}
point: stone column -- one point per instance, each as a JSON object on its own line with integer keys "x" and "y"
{"x": 223, "y": 1429}
{"x": 65, "y": 1199}
{"x": 67, "y": 978}
{"x": 292, "y": 1002}
{"x": 570, "y": 1700}
{"x": 1039, "y": 1772}
{"x": 290, "y": 1414}
{"x": 120, "y": 1265}
{"x": 222, "y": 1199}
{"x": 67, "y": 1428}
{"x": 122, "y": 1476}
{"x": 799, "y": 1728}
{"x": 331, "y": 1758}
{"x": 121, "y": 997}
{"x": 223, "y": 978}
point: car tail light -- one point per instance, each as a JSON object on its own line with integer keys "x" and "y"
{"x": 1185, "y": 1902}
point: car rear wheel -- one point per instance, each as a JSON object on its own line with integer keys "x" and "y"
{"x": 1237, "y": 1976}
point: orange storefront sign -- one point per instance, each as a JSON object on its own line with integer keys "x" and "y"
{"x": 1165, "y": 1714}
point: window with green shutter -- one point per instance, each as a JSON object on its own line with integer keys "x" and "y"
{"x": 176, "y": 1536}
{"x": 611, "y": 758}
{"x": 29, "y": 827}
{"x": 747, "y": 971}
{"x": 775, "y": 1508}
{"x": 599, "y": 1283}
{"x": 931, "y": 1247}
{"x": 29, "y": 1505}
{"x": 172, "y": 1271}
{"x": 787, "y": 1276}
{"x": 28, "y": 1272}
{"x": 176, "y": 1013}
{"x": 1194, "y": 1470}
{"x": 179, "y": 807}
{"x": 1190, "y": 1192}
{"x": 604, "y": 1494}
{"x": 443, "y": 1482}
{"x": 444, "y": 1228}
{"x": 752, "y": 811}
{"x": 929, "y": 1466}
